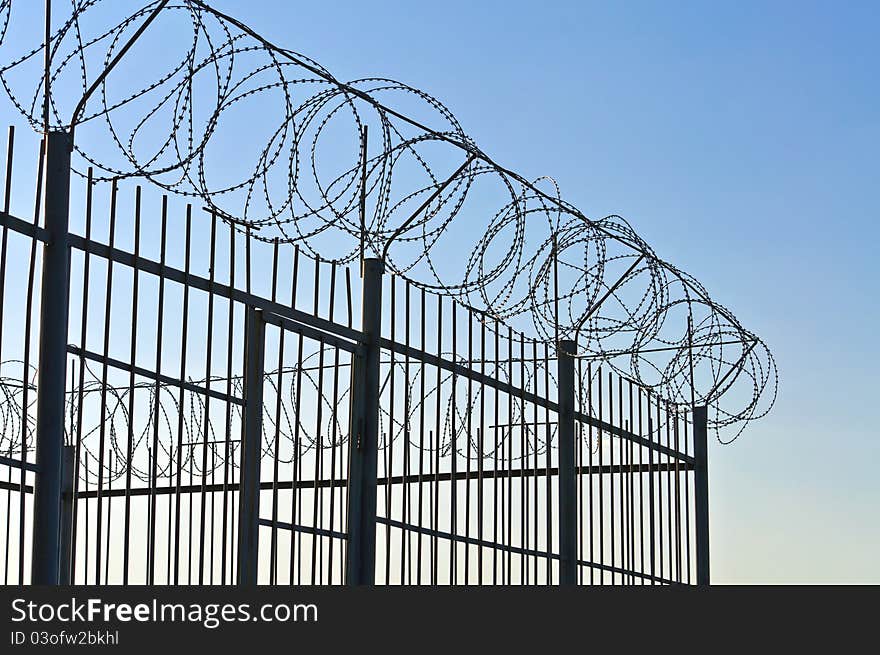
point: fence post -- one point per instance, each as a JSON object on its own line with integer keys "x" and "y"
{"x": 68, "y": 467}
{"x": 701, "y": 492}
{"x": 51, "y": 372}
{"x": 251, "y": 449}
{"x": 360, "y": 565}
{"x": 568, "y": 566}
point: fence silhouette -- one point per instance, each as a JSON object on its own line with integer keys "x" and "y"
{"x": 482, "y": 470}
{"x": 190, "y": 399}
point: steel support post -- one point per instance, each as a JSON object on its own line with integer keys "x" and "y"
{"x": 568, "y": 566}
{"x": 364, "y": 430}
{"x": 51, "y": 372}
{"x": 701, "y": 492}
{"x": 251, "y": 449}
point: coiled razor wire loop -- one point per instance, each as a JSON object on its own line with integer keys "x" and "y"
{"x": 269, "y": 140}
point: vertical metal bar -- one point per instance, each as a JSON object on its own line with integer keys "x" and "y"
{"x": 523, "y": 483}
{"x": 52, "y": 362}
{"x": 68, "y": 467}
{"x": 630, "y": 491}
{"x": 386, "y": 540}
{"x": 112, "y": 468}
{"x": 85, "y": 558}
{"x": 589, "y": 409}
{"x": 481, "y": 437}
{"x": 406, "y": 514}
{"x": 611, "y": 475}
{"x": 579, "y": 509}
{"x": 422, "y": 403}
{"x": 4, "y": 240}
{"x": 227, "y": 442}
{"x": 333, "y": 445}
{"x": 317, "y": 489}
{"x": 677, "y": 504}
{"x": 7, "y": 187}
{"x": 652, "y": 535}
{"x": 184, "y": 333}
{"x": 251, "y": 449}
{"x": 567, "y": 484}
{"x": 468, "y": 444}
{"x": 701, "y": 492}
{"x": 536, "y": 427}
{"x": 497, "y": 537}
{"x": 102, "y": 429}
{"x": 389, "y": 444}
{"x": 363, "y": 456}
{"x": 669, "y": 508}
{"x": 86, "y": 276}
{"x": 601, "y": 482}
{"x": 276, "y": 438}
{"x": 453, "y": 453}
{"x": 548, "y": 491}
{"x": 47, "y": 65}
{"x": 157, "y": 390}
{"x": 347, "y": 296}
{"x": 316, "y": 305}
{"x": 659, "y": 489}
{"x": 509, "y": 568}
{"x": 26, "y": 380}
{"x": 296, "y": 507}
{"x": 129, "y": 449}
{"x": 206, "y": 424}
{"x": 641, "y": 491}
{"x": 333, "y": 424}
{"x": 435, "y": 486}
{"x": 362, "y": 204}
{"x": 620, "y": 478}
{"x": 295, "y": 537}
{"x": 211, "y": 530}
{"x": 687, "y": 508}
{"x": 189, "y": 518}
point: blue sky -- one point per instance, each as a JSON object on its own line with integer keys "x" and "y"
{"x": 740, "y": 140}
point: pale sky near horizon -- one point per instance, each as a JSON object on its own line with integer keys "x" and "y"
{"x": 740, "y": 140}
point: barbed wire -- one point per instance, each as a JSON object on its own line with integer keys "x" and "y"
{"x": 189, "y": 438}
{"x": 269, "y": 140}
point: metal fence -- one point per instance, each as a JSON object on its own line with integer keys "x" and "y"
{"x": 227, "y": 409}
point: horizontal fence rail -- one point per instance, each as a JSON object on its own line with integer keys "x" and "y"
{"x": 235, "y": 410}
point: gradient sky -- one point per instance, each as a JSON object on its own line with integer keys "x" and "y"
{"x": 740, "y": 140}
